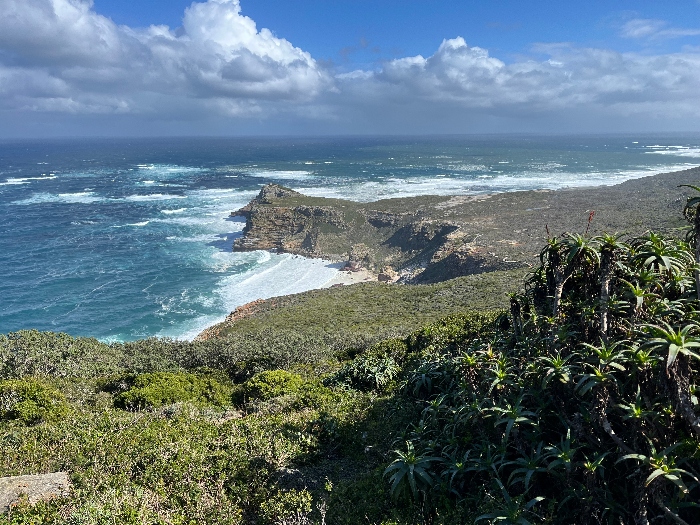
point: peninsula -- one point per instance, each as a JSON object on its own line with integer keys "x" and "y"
{"x": 432, "y": 238}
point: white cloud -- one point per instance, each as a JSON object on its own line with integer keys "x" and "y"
{"x": 645, "y": 28}
{"x": 60, "y": 55}
{"x": 464, "y": 82}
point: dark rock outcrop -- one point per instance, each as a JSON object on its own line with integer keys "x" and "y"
{"x": 273, "y": 224}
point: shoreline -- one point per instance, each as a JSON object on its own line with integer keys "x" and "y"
{"x": 506, "y": 229}
{"x": 349, "y": 277}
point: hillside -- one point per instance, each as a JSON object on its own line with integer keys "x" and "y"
{"x": 431, "y": 239}
{"x": 567, "y": 393}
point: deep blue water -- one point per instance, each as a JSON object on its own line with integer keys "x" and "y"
{"x": 127, "y": 238}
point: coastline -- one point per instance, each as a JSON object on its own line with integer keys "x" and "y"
{"x": 348, "y": 277}
{"x": 506, "y": 230}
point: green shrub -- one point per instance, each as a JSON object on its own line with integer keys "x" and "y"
{"x": 30, "y": 401}
{"x": 164, "y": 388}
{"x": 272, "y": 383}
{"x": 451, "y": 332}
{"x": 368, "y": 371}
{"x": 289, "y": 506}
{"x": 374, "y": 369}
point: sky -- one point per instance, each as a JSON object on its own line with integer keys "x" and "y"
{"x": 345, "y": 67}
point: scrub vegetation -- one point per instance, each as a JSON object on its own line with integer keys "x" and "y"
{"x": 576, "y": 401}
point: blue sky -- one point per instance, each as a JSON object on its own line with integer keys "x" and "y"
{"x": 361, "y": 32}
{"x": 71, "y": 67}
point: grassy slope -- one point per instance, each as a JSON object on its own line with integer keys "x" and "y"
{"x": 378, "y": 310}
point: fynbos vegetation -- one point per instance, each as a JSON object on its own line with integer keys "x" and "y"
{"x": 579, "y": 404}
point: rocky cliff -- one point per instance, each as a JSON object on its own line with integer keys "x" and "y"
{"x": 431, "y": 238}
{"x": 398, "y": 244}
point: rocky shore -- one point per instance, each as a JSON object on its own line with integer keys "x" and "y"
{"x": 431, "y": 238}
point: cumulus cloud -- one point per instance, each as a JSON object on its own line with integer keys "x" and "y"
{"x": 60, "y": 55}
{"x": 467, "y": 81}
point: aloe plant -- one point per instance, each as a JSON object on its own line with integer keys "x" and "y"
{"x": 512, "y": 511}
{"x": 673, "y": 340}
{"x": 410, "y": 472}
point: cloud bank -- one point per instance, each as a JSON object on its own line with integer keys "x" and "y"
{"x": 60, "y": 55}
{"x": 61, "y": 59}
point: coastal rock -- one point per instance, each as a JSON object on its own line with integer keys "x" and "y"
{"x": 359, "y": 257}
{"x": 268, "y": 195}
{"x": 417, "y": 236}
{"x": 36, "y": 487}
{"x": 438, "y": 234}
{"x": 382, "y": 219}
{"x": 271, "y": 224}
{"x": 387, "y": 275}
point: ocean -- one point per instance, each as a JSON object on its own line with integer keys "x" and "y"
{"x": 122, "y": 239}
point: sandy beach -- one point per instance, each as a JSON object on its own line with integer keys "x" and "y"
{"x": 350, "y": 277}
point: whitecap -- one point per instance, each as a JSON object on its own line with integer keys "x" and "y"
{"x": 85, "y": 197}
{"x": 166, "y": 170}
{"x": 25, "y": 180}
{"x": 170, "y": 212}
{"x": 203, "y": 238}
{"x": 467, "y": 168}
{"x": 190, "y": 221}
{"x": 153, "y": 197}
{"x": 525, "y": 180}
{"x": 280, "y": 174}
{"x": 677, "y": 151}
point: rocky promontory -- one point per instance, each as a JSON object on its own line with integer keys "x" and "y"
{"x": 435, "y": 238}
{"x": 394, "y": 238}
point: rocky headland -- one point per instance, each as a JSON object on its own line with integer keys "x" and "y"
{"x": 434, "y": 238}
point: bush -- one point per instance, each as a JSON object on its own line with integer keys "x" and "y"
{"x": 164, "y": 388}
{"x": 368, "y": 371}
{"x": 374, "y": 369}
{"x": 291, "y": 506}
{"x": 30, "y": 401}
{"x": 451, "y": 332}
{"x": 272, "y": 383}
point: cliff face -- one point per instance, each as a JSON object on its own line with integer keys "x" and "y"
{"x": 273, "y": 222}
{"x": 413, "y": 246}
{"x": 430, "y": 238}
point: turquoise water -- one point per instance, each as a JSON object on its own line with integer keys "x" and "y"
{"x": 122, "y": 239}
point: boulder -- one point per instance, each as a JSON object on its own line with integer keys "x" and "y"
{"x": 36, "y": 487}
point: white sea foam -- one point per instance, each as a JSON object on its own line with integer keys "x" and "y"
{"x": 25, "y": 180}
{"x": 203, "y": 238}
{"x": 455, "y": 185}
{"x": 676, "y": 151}
{"x": 167, "y": 169}
{"x": 85, "y": 197}
{"x": 170, "y": 212}
{"x": 273, "y": 275}
{"x": 153, "y": 197}
{"x": 139, "y": 223}
{"x": 468, "y": 168}
{"x": 190, "y": 221}
{"x": 280, "y": 174}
